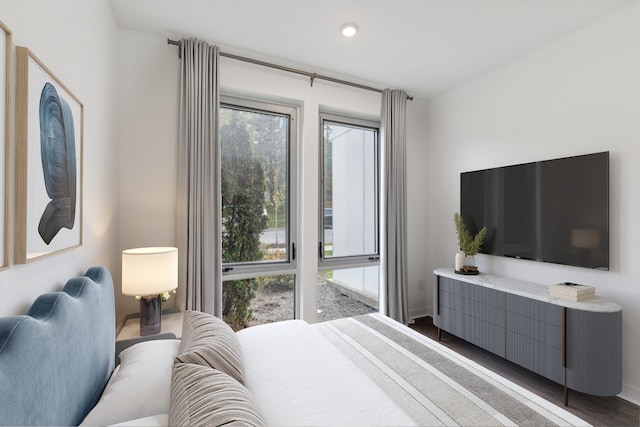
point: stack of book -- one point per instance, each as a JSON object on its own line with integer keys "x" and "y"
{"x": 572, "y": 291}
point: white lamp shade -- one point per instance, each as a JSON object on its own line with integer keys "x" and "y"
{"x": 149, "y": 271}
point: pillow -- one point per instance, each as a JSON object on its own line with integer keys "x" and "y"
{"x": 208, "y": 341}
{"x": 204, "y": 396}
{"x": 141, "y": 386}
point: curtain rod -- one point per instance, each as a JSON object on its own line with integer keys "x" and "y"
{"x": 312, "y": 76}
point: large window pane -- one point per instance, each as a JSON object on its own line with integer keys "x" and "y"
{"x": 257, "y": 197}
{"x": 254, "y": 185}
{"x": 349, "y": 190}
{"x": 349, "y": 217}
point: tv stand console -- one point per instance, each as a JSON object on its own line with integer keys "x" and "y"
{"x": 576, "y": 344}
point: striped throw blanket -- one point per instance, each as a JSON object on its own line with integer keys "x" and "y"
{"x": 433, "y": 384}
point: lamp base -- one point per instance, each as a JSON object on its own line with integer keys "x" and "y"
{"x": 150, "y": 315}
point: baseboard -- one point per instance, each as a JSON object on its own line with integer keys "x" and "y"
{"x": 418, "y": 313}
{"x": 630, "y": 394}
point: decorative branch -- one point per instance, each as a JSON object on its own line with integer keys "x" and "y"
{"x": 470, "y": 246}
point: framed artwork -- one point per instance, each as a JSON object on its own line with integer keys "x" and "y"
{"x": 5, "y": 136}
{"x": 49, "y": 126}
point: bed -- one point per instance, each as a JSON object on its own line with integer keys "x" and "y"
{"x": 57, "y": 367}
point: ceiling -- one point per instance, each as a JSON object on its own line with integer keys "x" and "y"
{"x": 425, "y": 47}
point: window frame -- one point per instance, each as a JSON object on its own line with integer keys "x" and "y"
{"x": 351, "y": 261}
{"x": 248, "y": 270}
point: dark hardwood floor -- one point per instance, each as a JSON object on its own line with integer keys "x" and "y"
{"x": 599, "y": 411}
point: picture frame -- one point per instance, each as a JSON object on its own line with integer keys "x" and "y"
{"x": 5, "y": 132}
{"x": 49, "y": 162}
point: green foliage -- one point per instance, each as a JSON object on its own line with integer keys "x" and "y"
{"x": 273, "y": 252}
{"x": 236, "y": 302}
{"x": 470, "y": 246}
{"x": 270, "y": 136}
{"x": 242, "y": 196}
{"x": 327, "y": 175}
{"x": 281, "y": 215}
{"x": 243, "y": 219}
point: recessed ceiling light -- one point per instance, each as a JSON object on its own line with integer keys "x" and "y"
{"x": 349, "y": 30}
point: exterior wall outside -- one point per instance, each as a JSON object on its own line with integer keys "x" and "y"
{"x": 353, "y": 166}
{"x": 352, "y": 190}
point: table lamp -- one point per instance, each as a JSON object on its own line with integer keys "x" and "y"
{"x": 147, "y": 273}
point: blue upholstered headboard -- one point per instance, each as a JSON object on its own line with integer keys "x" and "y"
{"x": 56, "y": 360}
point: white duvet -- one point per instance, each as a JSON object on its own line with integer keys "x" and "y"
{"x": 297, "y": 376}
{"x": 300, "y": 379}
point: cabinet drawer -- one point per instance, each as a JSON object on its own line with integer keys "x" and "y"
{"x": 474, "y": 309}
{"x": 472, "y": 292}
{"x": 481, "y": 333}
{"x": 534, "y": 329}
{"x": 536, "y": 356}
{"x": 534, "y": 309}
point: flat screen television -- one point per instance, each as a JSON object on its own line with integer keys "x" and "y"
{"x": 553, "y": 211}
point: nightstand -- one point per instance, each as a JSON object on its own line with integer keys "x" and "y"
{"x": 171, "y": 324}
{"x": 130, "y": 332}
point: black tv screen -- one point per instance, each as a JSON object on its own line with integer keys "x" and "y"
{"x": 552, "y": 211}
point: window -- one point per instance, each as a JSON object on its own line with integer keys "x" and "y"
{"x": 348, "y": 282}
{"x": 257, "y": 142}
{"x": 349, "y": 192}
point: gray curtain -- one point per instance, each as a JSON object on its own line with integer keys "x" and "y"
{"x": 198, "y": 216}
{"x": 394, "y": 212}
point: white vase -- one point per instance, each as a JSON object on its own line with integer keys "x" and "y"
{"x": 459, "y": 263}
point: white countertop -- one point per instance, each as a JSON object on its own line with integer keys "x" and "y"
{"x": 530, "y": 290}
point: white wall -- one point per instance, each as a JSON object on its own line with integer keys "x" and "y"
{"x": 77, "y": 41}
{"x": 148, "y": 152}
{"x": 578, "y": 95}
{"x": 149, "y": 127}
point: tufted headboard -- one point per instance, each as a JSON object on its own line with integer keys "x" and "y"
{"x": 56, "y": 360}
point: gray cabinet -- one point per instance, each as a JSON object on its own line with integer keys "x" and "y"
{"x": 473, "y": 314}
{"x": 534, "y": 336}
{"x": 577, "y": 344}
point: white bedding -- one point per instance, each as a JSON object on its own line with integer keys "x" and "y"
{"x": 371, "y": 371}
{"x": 299, "y": 379}
{"x": 363, "y": 371}
{"x": 139, "y": 387}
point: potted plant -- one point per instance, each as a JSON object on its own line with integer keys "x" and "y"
{"x": 469, "y": 245}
